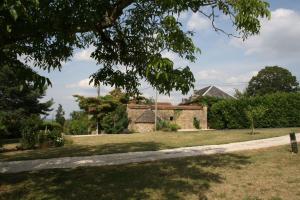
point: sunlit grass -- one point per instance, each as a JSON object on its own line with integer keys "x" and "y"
{"x": 107, "y": 144}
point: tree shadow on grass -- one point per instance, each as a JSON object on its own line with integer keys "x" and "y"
{"x": 81, "y": 150}
{"x": 186, "y": 178}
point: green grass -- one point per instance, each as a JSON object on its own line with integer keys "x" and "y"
{"x": 267, "y": 174}
{"x": 107, "y": 144}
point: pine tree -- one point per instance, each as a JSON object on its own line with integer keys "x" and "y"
{"x": 59, "y": 117}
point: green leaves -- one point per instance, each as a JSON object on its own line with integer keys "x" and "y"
{"x": 127, "y": 36}
{"x": 271, "y": 80}
{"x": 13, "y": 13}
{"x": 247, "y": 14}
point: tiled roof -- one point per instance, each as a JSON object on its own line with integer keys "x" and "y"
{"x": 201, "y": 91}
{"x": 164, "y": 107}
{"x": 147, "y": 117}
{"x": 212, "y": 91}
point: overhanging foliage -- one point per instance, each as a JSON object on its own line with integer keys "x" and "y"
{"x": 129, "y": 37}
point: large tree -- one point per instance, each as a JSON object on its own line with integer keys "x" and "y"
{"x": 271, "y": 80}
{"x": 106, "y": 111}
{"x": 129, "y": 36}
{"x": 19, "y": 103}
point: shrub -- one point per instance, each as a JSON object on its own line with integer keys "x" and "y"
{"x": 196, "y": 123}
{"x": 1, "y": 145}
{"x": 282, "y": 110}
{"x": 56, "y": 139}
{"x": 30, "y": 132}
{"x": 43, "y": 139}
{"x": 78, "y": 125}
{"x": 164, "y": 125}
{"x": 49, "y": 125}
{"x": 29, "y": 139}
{"x": 174, "y": 127}
{"x": 116, "y": 121}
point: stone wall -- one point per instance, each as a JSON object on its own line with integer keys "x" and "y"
{"x": 181, "y": 115}
{"x": 185, "y": 118}
{"x": 133, "y": 114}
{"x": 143, "y": 127}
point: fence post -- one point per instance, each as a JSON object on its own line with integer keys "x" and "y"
{"x": 294, "y": 143}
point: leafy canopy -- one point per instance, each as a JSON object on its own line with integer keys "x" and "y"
{"x": 129, "y": 37}
{"x": 271, "y": 80}
{"x": 109, "y": 110}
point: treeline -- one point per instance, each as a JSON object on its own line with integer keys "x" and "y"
{"x": 282, "y": 110}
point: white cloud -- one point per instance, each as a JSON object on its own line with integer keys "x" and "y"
{"x": 209, "y": 75}
{"x": 241, "y": 78}
{"x": 198, "y": 22}
{"x": 226, "y": 81}
{"x": 279, "y": 37}
{"x": 84, "y": 55}
{"x": 82, "y": 84}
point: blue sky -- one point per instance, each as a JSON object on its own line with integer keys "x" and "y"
{"x": 227, "y": 63}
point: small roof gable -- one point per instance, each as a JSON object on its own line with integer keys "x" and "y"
{"x": 201, "y": 91}
{"x": 147, "y": 117}
{"x": 212, "y": 91}
{"x": 216, "y": 92}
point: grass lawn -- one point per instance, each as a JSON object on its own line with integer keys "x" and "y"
{"x": 269, "y": 174}
{"x": 106, "y": 144}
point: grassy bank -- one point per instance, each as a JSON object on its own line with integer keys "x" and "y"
{"x": 106, "y": 144}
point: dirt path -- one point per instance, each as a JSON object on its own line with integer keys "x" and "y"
{"x": 136, "y": 157}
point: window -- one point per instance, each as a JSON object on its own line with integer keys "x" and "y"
{"x": 171, "y": 118}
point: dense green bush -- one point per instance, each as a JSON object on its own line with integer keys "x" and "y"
{"x": 283, "y": 110}
{"x": 79, "y": 124}
{"x": 164, "y": 125}
{"x": 196, "y": 123}
{"x": 30, "y": 129}
{"x": 79, "y": 127}
{"x": 209, "y": 102}
{"x": 40, "y": 139}
{"x": 116, "y": 121}
{"x": 29, "y": 139}
{"x": 51, "y": 125}
{"x": 55, "y": 138}
{"x": 34, "y": 134}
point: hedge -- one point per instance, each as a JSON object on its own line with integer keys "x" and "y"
{"x": 283, "y": 110}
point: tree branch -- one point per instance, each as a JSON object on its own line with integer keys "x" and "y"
{"x": 114, "y": 14}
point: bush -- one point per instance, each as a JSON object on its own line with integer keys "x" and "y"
{"x": 209, "y": 102}
{"x": 78, "y": 125}
{"x": 49, "y": 125}
{"x": 116, "y": 121}
{"x": 282, "y": 110}
{"x": 174, "y": 127}
{"x": 1, "y": 145}
{"x": 56, "y": 139}
{"x": 29, "y": 139}
{"x": 41, "y": 139}
{"x": 196, "y": 123}
{"x": 164, "y": 125}
{"x": 30, "y": 132}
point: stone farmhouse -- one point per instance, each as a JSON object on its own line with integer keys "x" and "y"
{"x": 142, "y": 117}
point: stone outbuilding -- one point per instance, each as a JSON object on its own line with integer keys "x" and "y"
{"x": 142, "y": 117}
